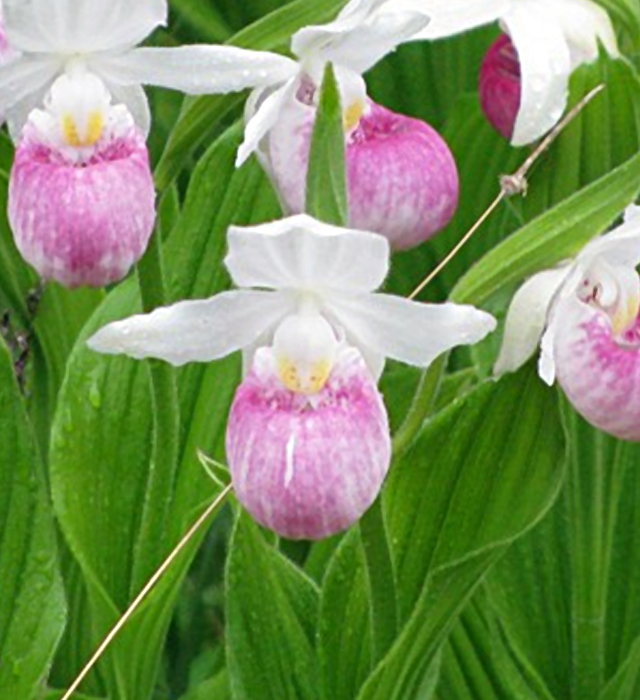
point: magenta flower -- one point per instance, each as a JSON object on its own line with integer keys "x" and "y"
{"x": 587, "y": 316}
{"x": 308, "y": 467}
{"x": 307, "y": 438}
{"x": 81, "y": 195}
{"x": 499, "y": 86}
{"x": 402, "y": 180}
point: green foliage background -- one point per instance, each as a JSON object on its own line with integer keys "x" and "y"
{"x": 500, "y": 561}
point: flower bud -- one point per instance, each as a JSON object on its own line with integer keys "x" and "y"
{"x": 500, "y": 86}
{"x": 308, "y": 466}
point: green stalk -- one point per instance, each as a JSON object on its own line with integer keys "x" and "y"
{"x": 150, "y": 543}
{"x": 381, "y": 578}
{"x": 421, "y": 406}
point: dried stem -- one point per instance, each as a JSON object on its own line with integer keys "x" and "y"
{"x": 512, "y": 184}
{"x": 144, "y": 592}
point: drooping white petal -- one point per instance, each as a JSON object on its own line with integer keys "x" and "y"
{"x": 526, "y": 319}
{"x": 584, "y": 24}
{"x": 358, "y": 46}
{"x": 545, "y": 66}
{"x": 21, "y": 78}
{"x": 266, "y": 115}
{"x": 405, "y": 330}
{"x": 195, "y": 331}
{"x": 450, "y": 17}
{"x": 621, "y": 246}
{"x": 18, "y": 115}
{"x": 135, "y": 100}
{"x": 199, "y": 70}
{"x": 301, "y": 253}
{"x": 79, "y": 26}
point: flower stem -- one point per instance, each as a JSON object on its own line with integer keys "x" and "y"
{"x": 421, "y": 406}
{"x": 166, "y": 427}
{"x": 381, "y": 579}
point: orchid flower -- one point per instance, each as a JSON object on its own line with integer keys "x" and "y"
{"x": 586, "y": 316}
{"x": 402, "y": 180}
{"x": 307, "y": 439}
{"x": 52, "y": 37}
{"x": 81, "y": 196}
{"x": 524, "y": 79}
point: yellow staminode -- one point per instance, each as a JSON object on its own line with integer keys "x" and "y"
{"x": 93, "y": 131}
{"x": 352, "y": 115}
{"x": 312, "y": 383}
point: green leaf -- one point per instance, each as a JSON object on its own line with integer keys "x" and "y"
{"x": 205, "y": 19}
{"x": 201, "y": 116}
{"x": 479, "y": 663}
{"x": 326, "y": 194}
{"x": 625, "y": 685}
{"x": 344, "y": 632}
{"x": 32, "y": 605}
{"x": 455, "y": 504}
{"x": 271, "y": 619}
{"x": 576, "y": 570}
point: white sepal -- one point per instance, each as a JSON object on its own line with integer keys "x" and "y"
{"x": 266, "y": 115}
{"x": 301, "y": 252}
{"x": 405, "y": 330}
{"x": 78, "y": 26}
{"x": 196, "y": 331}
{"x": 358, "y": 44}
{"x": 545, "y": 66}
{"x": 198, "y": 70}
{"x": 450, "y": 17}
{"x": 526, "y": 319}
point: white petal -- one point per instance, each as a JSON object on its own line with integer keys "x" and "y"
{"x": 450, "y": 17}
{"x": 81, "y": 26}
{"x": 584, "y": 24}
{"x": 199, "y": 70}
{"x": 406, "y": 330}
{"x": 545, "y": 66}
{"x": 25, "y": 76}
{"x": 135, "y": 99}
{"x": 264, "y": 118}
{"x": 358, "y": 46}
{"x": 301, "y": 253}
{"x": 621, "y": 246}
{"x": 526, "y": 319}
{"x": 546, "y": 362}
{"x": 195, "y": 331}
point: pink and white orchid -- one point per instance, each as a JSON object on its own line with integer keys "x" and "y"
{"x": 402, "y": 180}
{"x": 81, "y": 201}
{"x": 53, "y": 37}
{"x": 307, "y": 438}
{"x": 548, "y": 39}
{"x": 586, "y": 316}
{"x": 81, "y": 196}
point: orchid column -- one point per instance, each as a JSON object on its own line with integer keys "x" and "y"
{"x": 307, "y": 439}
